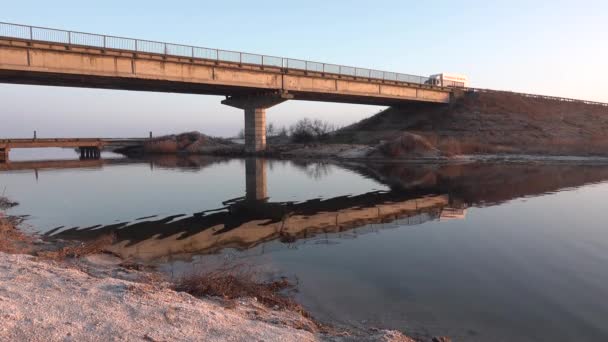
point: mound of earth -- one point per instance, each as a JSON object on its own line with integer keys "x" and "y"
{"x": 189, "y": 142}
{"x": 407, "y": 145}
{"x": 494, "y": 122}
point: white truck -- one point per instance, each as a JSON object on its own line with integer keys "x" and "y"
{"x": 449, "y": 80}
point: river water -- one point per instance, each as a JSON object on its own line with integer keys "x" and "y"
{"x": 478, "y": 252}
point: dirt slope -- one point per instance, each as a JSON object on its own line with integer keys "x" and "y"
{"x": 492, "y": 123}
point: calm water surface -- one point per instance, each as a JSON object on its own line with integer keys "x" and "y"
{"x": 479, "y": 252}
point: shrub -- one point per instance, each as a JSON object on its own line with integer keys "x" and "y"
{"x": 307, "y": 130}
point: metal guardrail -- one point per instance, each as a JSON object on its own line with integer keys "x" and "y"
{"x": 535, "y": 96}
{"x": 43, "y": 34}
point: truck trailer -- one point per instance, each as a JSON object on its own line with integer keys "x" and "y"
{"x": 449, "y": 80}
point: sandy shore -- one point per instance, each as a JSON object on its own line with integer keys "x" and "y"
{"x": 43, "y": 301}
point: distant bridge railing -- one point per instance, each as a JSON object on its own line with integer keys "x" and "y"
{"x": 43, "y": 34}
{"x": 535, "y": 96}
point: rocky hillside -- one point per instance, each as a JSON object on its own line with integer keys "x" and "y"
{"x": 488, "y": 123}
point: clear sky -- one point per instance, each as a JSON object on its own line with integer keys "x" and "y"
{"x": 549, "y": 47}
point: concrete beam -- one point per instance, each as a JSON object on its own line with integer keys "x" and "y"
{"x": 39, "y": 143}
{"x": 260, "y": 100}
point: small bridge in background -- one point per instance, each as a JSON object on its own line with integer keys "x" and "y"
{"x": 90, "y": 148}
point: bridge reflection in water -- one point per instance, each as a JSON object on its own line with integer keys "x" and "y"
{"x": 417, "y": 193}
{"x": 248, "y": 221}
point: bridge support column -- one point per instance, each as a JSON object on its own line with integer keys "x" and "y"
{"x": 4, "y": 154}
{"x": 255, "y": 129}
{"x": 89, "y": 152}
{"x": 255, "y": 179}
{"x": 255, "y": 106}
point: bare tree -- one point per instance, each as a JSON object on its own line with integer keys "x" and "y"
{"x": 271, "y": 130}
{"x": 307, "y": 130}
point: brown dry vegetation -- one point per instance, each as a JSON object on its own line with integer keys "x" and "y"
{"x": 408, "y": 144}
{"x": 79, "y": 250}
{"x": 237, "y": 282}
{"x": 12, "y": 240}
{"x": 492, "y": 123}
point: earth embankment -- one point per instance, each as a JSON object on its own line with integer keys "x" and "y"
{"x": 488, "y": 123}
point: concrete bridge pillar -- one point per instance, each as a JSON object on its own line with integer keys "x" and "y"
{"x": 255, "y": 179}
{"x": 4, "y": 154}
{"x": 255, "y": 129}
{"x": 255, "y": 106}
{"x": 90, "y": 153}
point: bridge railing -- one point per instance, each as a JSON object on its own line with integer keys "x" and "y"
{"x": 43, "y": 34}
{"x": 535, "y": 96}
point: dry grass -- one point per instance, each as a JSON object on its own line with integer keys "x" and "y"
{"x": 5, "y": 203}
{"x": 80, "y": 250}
{"x": 12, "y": 240}
{"x": 239, "y": 282}
{"x": 408, "y": 144}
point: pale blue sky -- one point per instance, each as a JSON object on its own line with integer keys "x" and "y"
{"x": 549, "y": 47}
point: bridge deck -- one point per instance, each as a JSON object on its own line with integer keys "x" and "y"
{"x": 53, "y": 142}
{"x": 28, "y": 56}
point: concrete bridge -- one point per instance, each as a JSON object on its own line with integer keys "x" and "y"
{"x": 90, "y": 148}
{"x": 254, "y": 83}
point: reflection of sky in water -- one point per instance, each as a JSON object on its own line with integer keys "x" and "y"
{"x": 289, "y": 183}
{"x": 526, "y": 270}
{"x": 529, "y": 269}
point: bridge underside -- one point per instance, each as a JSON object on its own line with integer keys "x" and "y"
{"x": 248, "y": 87}
{"x": 166, "y": 86}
